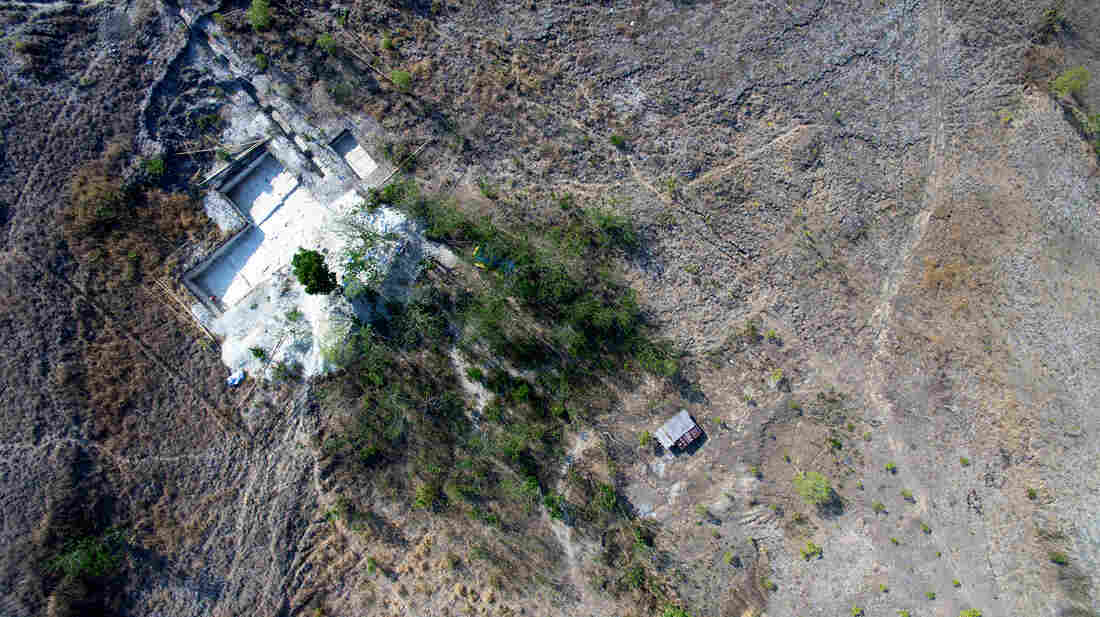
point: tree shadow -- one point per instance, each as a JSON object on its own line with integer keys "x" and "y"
{"x": 832, "y": 508}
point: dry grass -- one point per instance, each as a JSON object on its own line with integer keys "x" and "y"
{"x": 121, "y": 236}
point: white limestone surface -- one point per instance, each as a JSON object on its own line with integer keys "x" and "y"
{"x": 360, "y": 161}
{"x": 294, "y": 328}
{"x": 284, "y": 217}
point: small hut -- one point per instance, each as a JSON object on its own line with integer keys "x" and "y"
{"x": 680, "y": 431}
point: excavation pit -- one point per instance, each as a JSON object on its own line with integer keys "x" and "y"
{"x": 281, "y": 214}
{"x": 354, "y": 155}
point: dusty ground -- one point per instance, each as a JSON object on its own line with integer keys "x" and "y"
{"x": 887, "y": 185}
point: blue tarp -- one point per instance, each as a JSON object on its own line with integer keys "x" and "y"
{"x": 236, "y": 378}
{"x": 485, "y": 260}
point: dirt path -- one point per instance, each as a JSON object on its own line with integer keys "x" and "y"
{"x": 738, "y": 254}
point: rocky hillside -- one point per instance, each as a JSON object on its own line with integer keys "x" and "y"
{"x": 861, "y": 239}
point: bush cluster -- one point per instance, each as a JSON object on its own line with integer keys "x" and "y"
{"x": 90, "y": 557}
{"x": 814, "y": 488}
{"x": 1072, "y": 81}
{"x": 327, "y": 43}
{"x": 593, "y": 314}
{"x": 259, "y": 14}
{"x": 401, "y": 79}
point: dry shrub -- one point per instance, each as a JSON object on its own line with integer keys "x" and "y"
{"x": 115, "y": 371}
{"x": 944, "y": 276}
{"x": 98, "y": 200}
{"x": 121, "y": 235}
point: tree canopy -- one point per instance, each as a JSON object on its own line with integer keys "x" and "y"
{"x": 311, "y": 271}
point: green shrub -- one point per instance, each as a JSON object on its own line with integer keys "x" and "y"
{"x": 293, "y": 315}
{"x": 287, "y": 371}
{"x": 310, "y": 270}
{"x": 674, "y": 611}
{"x": 883, "y": 588}
{"x": 931, "y": 595}
{"x": 645, "y": 439}
{"x": 812, "y": 551}
{"x": 956, "y": 583}
{"x": 90, "y": 557}
{"x": 895, "y": 541}
{"x": 262, "y": 62}
{"x": 903, "y": 613}
{"x": 475, "y": 373}
{"x": 814, "y": 488}
{"x": 206, "y": 122}
{"x": 488, "y": 189}
{"x": 259, "y": 14}
{"x": 907, "y": 494}
{"x": 1092, "y": 126}
{"x": 555, "y": 505}
{"x": 767, "y": 583}
{"x": 925, "y": 528}
{"x": 327, "y": 43}
{"x": 1059, "y": 558}
{"x": 606, "y": 499}
{"x": 891, "y": 468}
{"x": 971, "y": 612}
{"x": 618, "y": 141}
{"x": 611, "y": 229}
{"x": 1032, "y": 494}
{"x": 878, "y": 507}
{"x": 155, "y": 167}
{"x": 428, "y": 497}
{"x": 401, "y": 79}
{"x": 1054, "y": 22}
{"x": 857, "y": 611}
{"x": 259, "y": 353}
{"x": 387, "y": 43}
{"x": 965, "y": 462}
{"x": 1070, "y": 82}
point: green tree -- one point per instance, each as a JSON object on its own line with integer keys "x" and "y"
{"x": 311, "y": 271}
{"x": 401, "y": 79}
{"x": 259, "y": 14}
{"x": 814, "y": 488}
{"x": 1072, "y": 81}
{"x": 155, "y": 167}
{"x": 327, "y": 43}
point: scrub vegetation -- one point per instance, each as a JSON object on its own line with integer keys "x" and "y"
{"x": 572, "y": 325}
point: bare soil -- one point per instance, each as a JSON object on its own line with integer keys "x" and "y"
{"x": 888, "y": 191}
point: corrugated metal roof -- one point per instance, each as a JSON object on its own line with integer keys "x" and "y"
{"x": 675, "y": 428}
